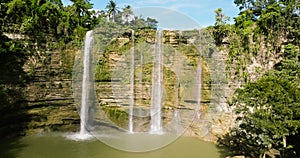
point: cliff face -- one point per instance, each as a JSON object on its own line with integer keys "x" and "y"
{"x": 48, "y": 94}
{"x": 36, "y": 88}
{"x": 214, "y": 116}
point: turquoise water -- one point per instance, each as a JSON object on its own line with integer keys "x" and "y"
{"x": 58, "y": 146}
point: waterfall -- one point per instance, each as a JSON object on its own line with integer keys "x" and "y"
{"x": 156, "y": 94}
{"x": 177, "y": 120}
{"x": 130, "y": 124}
{"x": 141, "y": 89}
{"x": 199, "y": 86}
{"x": 85, "y": 85}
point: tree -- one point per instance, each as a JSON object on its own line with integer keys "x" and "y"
{"x": 17, "y": 13}
{"x": 44, "y": 26}
{"x": 151, "y": 23}
{"x": 83, "y": 15}
{"x": 112, "y": 10}
{"x": 273, "y": 15}
{"x": 269, "y": 112}
{"x": 221, "y": 29}
{"x": 221, "y": 18}
{"x": 268, "y": 108}
{"x": 127, "y": 15}
{"x": 289, "y": 67}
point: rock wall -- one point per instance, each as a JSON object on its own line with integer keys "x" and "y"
{"x": 48, "y": 94}
{"x": 216, "y": 117}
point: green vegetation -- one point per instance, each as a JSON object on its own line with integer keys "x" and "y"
{"x": 40, "y": 33}
{"x": 269, "y": 113}
{"x": 47, "y": 21}
{"x": 115, "y": 63}
{"x": 31, "y": 31}
{"x": 266, "y": 35}
{"x": 12, "y": 79}
{"x": 114, "y": 18}
{"x": 259, "y": 34}
{"x": 268, "y": 107}
{"x": 117, "y": 115}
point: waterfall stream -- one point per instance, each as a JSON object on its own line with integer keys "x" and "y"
{"x": 131, "y": 84}
{"x": 156, "y": 94}
{"x": 85, "y": 85}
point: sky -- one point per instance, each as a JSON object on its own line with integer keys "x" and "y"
{"x": 175, "y": 13}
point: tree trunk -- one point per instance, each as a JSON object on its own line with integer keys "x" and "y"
{"x": 284, "y": 141}
{"x": 284, "y": 145}
{"x": 113, "y": 18}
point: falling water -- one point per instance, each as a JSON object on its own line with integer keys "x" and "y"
{"x": 141, "y": 76}
{"x": 177, "y": 120}
{"x": 156, "y": 94}
{"x": 178, "y": 71}
{"x": 199, "y": 86}
{"x": 85, "y": 85}
{"x": 130, "y": 124}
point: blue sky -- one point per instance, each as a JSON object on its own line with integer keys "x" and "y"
{"x": 199, "y": 11}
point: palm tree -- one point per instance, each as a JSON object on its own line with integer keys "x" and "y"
{"x": 112, "y": 9}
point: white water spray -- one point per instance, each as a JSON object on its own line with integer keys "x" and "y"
{"x": 156, "y": 94}
{"x": 85, "y": 86}
{"x": 86, "y": 97}
{"x": 199, "y": 86}
{"x": 177, "y": 120}
{"x": 130, "y": 124}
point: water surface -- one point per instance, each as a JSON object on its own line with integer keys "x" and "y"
{"x": 57, "y": 146}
